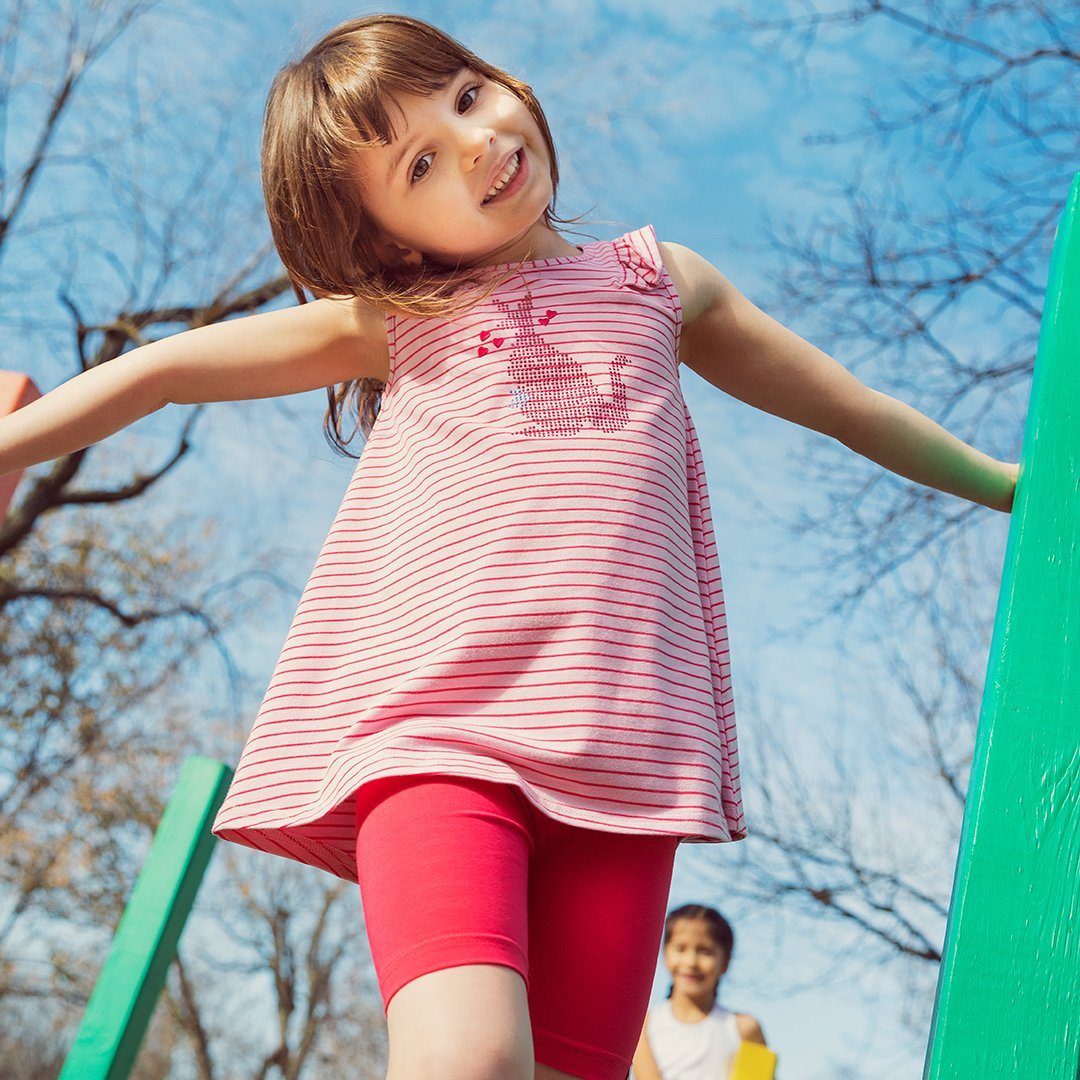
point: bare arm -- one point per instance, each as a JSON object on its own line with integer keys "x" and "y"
{"x": 750, "y": 1029}
{"x": 268, "y": 355}
{"x": 645, "y": 1067}
{"x": 738, "y": 348}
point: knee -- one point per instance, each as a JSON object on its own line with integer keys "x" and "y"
{"x": 496, "y": 1060}
{"x": 504, "y": 1062}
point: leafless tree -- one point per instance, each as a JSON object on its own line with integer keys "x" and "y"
{"x": 110, "y": 592}
{"x": 274, "y": 979}
{"x": 935, "y": 298}
{"x": 894, "y": 287}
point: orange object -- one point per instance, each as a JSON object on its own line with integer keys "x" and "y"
{"x": 753, "y": 1062}
{"x": 16, "y": 390}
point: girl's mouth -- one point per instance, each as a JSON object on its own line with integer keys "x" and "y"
{"x": 515, "y": 183}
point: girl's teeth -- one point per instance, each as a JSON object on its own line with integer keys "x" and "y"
{"x": 506, "y": 177}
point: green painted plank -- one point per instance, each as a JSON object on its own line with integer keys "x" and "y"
{"x": 127, "y": 989}
{"x": 1008, "y": 995}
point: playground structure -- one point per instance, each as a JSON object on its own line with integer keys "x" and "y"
{"x": 1009, "y": 982}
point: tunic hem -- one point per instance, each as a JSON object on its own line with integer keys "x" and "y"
{"x": 282, "y": 835}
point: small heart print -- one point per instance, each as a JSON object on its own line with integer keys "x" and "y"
{"x": 481, "y": 351}
{"x": 497, "y": 341}
{"x": 547, "y": 317}
{"x": 485, "y": 334}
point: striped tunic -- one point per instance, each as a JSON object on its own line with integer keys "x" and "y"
{"x": 521, "y": 583}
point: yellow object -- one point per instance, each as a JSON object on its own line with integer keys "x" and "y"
{"x": 753, "y": 1062}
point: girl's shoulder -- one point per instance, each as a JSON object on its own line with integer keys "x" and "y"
{"x": 749, "y": 1028}
{"x": 366, "y": 327}
{"x": 685, "y": 267}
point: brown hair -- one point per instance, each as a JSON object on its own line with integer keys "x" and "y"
{"x": 321, "y": 109}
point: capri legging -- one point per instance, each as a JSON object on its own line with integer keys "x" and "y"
{"x": 461, "y": 871}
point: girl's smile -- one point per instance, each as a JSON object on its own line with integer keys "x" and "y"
{"x": 520, "y": 174}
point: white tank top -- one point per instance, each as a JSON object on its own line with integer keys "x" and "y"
{"x": 692, "y": 1051}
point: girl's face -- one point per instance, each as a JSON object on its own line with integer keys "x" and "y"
{"x": 426, "y": 189}
{"x": 694, "y": 959}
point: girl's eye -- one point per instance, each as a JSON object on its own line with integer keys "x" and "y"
{"x": 413, "y": 178}
{"x": 469, "y": 90}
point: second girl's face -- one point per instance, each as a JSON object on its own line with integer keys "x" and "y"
{"x": 427, "y": 188}
{"x": 694, "y": 959}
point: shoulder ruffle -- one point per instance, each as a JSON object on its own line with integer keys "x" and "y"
{"x": 640, "y": 260}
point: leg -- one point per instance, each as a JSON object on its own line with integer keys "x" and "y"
{"x": 443, "y": 867}
{"x": 596, "y": 916}
{"x": 462, "y": 1023}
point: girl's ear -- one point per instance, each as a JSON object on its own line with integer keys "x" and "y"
{"x": 405, "y": 255}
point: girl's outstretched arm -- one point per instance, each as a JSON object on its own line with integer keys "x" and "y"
{"x": 744, "y": 352}
{"x": 268, "y": 355}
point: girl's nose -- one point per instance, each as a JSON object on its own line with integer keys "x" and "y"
{"x": 477, "y": 146}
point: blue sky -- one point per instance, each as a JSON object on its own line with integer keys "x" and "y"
{"x": 660, "y": 117}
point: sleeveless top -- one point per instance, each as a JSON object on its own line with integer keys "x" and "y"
{"x": 521, "y": 582}
{"x": 704, "y": 1050}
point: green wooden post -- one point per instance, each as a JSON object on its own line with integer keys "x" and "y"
{"x": 127, "y": 989}
{"x": 1008, "y": 994}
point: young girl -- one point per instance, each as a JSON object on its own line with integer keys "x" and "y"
{"x": 690, "y": 1036}
{"x": 505, "y": 697}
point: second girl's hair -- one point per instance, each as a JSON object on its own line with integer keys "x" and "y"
{"x": 719, "y": 928}
{"x": 320, "y": 111}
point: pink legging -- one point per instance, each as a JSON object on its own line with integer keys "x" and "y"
{"x": 460, "y": 871}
